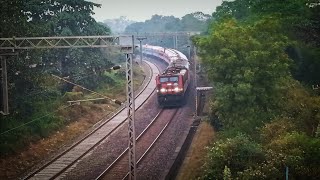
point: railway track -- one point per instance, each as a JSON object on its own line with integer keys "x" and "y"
{"x": 144, "y": 143}
{"x": 59, "y": 166}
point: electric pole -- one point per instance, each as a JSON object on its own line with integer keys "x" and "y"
{"x": 140, "y": 39}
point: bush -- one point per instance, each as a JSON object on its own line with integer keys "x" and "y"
{"x": 238, "y": 153}
{"x": 72, "y": 96}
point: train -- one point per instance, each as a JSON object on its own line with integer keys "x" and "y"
{"x": 172, "y": 84}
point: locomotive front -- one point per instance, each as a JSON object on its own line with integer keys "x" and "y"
{"x": 172, "y": 84}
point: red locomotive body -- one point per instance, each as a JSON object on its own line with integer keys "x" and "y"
{"x": 173, "y": 83}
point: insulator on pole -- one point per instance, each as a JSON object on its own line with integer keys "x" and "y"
{"x": 117, "y": 102}
{"x": 115, "y": 67}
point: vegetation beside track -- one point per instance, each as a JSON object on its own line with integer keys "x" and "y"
{"x": 77, "y": 120}
{"x": 41, "y": 120}
{"x": 262, "y": 57}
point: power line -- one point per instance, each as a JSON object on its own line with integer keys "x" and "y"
{"x": 5, "y": 132}
{"x": 113, "y": 100}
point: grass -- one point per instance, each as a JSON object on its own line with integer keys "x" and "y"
{"x": 196, "y": 155}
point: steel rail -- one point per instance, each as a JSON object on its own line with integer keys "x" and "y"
{"x": 101, "y": 176}
{"x": 126, "y": 150}
{"x": 151, "y": 145}
{"x": 90, "y": 134}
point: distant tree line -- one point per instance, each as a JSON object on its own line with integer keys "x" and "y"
{"x": 196, "y": 21}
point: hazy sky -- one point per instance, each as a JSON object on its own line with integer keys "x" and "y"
{"x": 140, "y": 10}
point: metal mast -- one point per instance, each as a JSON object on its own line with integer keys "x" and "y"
{"x": 140, "y": 39}
{"x": 130, "y": 109}
{"x": 5, "y": 106}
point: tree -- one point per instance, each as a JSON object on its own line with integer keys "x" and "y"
{"x": 248, "y": 70}
{"x": 239, "y": 9}
{"x": 228, "y": 156}
{"x": 32, "y": 90}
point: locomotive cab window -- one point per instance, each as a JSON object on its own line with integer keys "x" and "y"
{"x": 164, "y": 79}
{"x": 169, "y": 79}
{"x": 173, "y": 79}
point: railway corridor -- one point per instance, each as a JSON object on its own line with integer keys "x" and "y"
{"x": 60, "y": 165}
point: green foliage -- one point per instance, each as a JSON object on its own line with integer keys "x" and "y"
{"x": 248, "y": 70}
{"x": 197, "y": 21}
{"x": 295, "y": 150}
{"x": 307, "y": 65}
{"x": 226, "y": 173}
{"x": 157, "y": 23}
{"x": 34, "y": 95}
{"x": 34, "y": 118}
{"x": 302, "y": 109}
{"x": 72, "y": 96}
{"x": 13, "y": 20}
{"x": 247, "y": 54}
{"x": 237, "y": 154}
{"x": 299, "y": 20}
{"x": 239, "y": 9}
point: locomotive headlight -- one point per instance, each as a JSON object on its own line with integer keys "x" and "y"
{"x": 163, "y": 90}
{"x": 176, "y": 89}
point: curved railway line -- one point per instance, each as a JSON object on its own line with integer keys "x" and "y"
{"x": 144, "y": 142}
{"x": 61, "y": 163}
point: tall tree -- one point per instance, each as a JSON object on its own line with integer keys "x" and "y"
{"x": 248, "y": 70}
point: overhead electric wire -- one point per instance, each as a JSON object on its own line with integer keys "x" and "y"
{"x": 91, "y": 74}
{"x": 113, "y": 100}
{"x": 24, "y": 124}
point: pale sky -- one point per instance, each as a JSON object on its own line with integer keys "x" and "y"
{"x": 141, "y": 10}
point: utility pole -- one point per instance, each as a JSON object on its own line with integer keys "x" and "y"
{"x": 4, "y": 84}
{"x": 140, "y": 39}
{"x": 200, "y": 90}
{"x": 189, "y": 52}
{"x": 176, "y": 41}
{"x": 195, "y": 65}
{"x": 129, "y": 42}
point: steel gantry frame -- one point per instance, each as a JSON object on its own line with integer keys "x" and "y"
{"x": 174, "y": 35}
{"x": 15, "y": 43}
{"x": 126, "y": 45}
{"x": 9, "y": 45}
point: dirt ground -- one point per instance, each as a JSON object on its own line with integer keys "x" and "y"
{"x": 204, "y": 137}
{"x": 195, "y": 158}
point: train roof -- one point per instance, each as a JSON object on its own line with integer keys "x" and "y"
{"x": 177, "y": 58}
